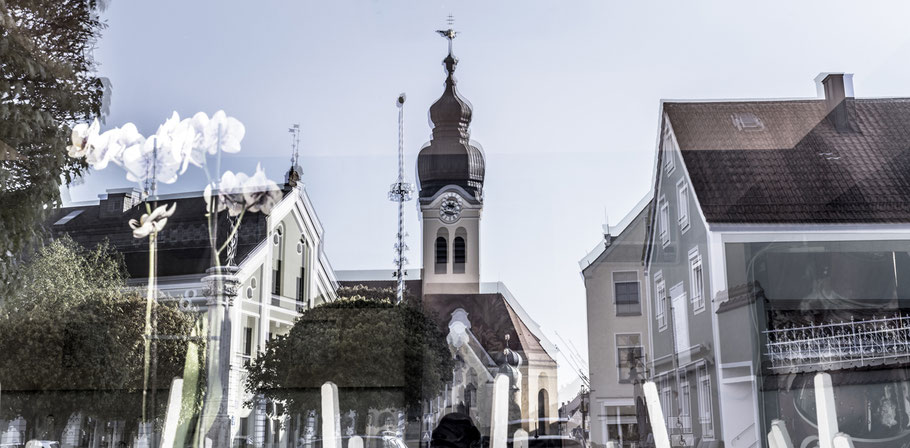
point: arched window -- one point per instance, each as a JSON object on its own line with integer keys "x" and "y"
{"x": 458, "y": 254}
{"x": 442, "y": 254}
{"x": 543, "y": 403}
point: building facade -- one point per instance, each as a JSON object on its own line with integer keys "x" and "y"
{"x": 280, "y": 270}
{"x": 798, "y": 221}
{"x": 617, "y": 310}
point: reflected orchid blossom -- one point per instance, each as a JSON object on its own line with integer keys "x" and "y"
{"x": 261, "y": 193}
{"x": 152, "y": 223}
{"x": 80, "y": 136}
{"x": 239, "y": 192}
{"x": 160, "y": 154}
{"x": 230, "y": 194}
{"x": 223, "y": 133}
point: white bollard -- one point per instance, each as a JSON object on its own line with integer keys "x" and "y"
{"x": 613, "y": 444}
{"x": 499, "y": 420}
{"x": 824, "y": 408}
{"x": 658, "y": 423}
{"x": 779, "y": 437}
{"x": 355, "y": 442}
{"x": 173, "y": 414}
{"x": 331, "y": 419}
{"x": 520, "y": 439}
{"x": 842, "y": 440}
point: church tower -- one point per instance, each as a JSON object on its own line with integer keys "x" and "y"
{"x": 450, "y": 171}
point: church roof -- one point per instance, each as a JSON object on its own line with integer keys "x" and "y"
{"x": 450, "y": 157}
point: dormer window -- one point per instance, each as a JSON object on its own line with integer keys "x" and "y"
{"x": 747, "y": 121}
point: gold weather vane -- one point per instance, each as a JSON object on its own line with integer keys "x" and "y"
{"x": 449, "y": 33}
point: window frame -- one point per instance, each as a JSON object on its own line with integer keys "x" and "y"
{"x": 660, "y": 309}
{"x": 669, "y": 146}
{"x": 684, "y": 402}
{"x": 696, "y": 281}
{"x": 616, "y": 303}
{"x": 663, "y": 221}
{"x": 705, "y": 400}
{"x": 682, "y": 205}
{"x": 616, "y": 353}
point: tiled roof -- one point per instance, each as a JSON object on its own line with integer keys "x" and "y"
{"x": 791, "y": 165}
{"x": 183, "y": 246}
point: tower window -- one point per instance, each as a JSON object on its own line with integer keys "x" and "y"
{"x": 442, "y": 254}
{"x": 458, "y": 256}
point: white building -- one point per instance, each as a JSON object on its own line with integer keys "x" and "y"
{"x": 617, "y": 310}
{"x": 281, "y": 271}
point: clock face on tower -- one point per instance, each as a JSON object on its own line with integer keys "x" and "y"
{"x": 450, "y": 208}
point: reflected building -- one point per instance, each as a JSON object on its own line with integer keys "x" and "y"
{"x": 779, "y": 248}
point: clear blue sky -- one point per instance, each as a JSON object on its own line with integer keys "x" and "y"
{"x": 565, "y": 99}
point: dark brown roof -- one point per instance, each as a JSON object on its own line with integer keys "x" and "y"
{"x": 793, "y": 166}
{"x": 183, "y": 245}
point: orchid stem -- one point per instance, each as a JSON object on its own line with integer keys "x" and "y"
{"x": 233, "y": 231}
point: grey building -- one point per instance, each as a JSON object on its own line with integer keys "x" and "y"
{"x": 780, "y": 247}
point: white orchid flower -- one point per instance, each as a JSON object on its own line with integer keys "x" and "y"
{"x": 80, "y": 136}
{"x": 223, "y": 133}
{"x": 196, "y": 151}
{"x": 128, "y": 137}
{"x": 101, "y": 149}
{"x": 260, "y": 193}
{"x": 152, "y": 157}
{"x": 207, "y": 195}
{"x": 154, "y": 222}
{"x": 231, "y": 194}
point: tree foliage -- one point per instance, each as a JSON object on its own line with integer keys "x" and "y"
{"x": 72, "y": 340}
{"x": 379, "y": 354}
{"x": 46, "y": 84}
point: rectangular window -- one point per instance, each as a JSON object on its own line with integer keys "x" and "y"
{"x": 664, "y": 222}
{"x": 660, "y": 293}
{"x": 697, "y": 280}
{"x": 626, "y": 293}
{"x": 666, "y": 403}
{"x": 669, "y": 161}
{"x": 247, "y": 345}
{"x": 685, "y": 418}
{"x": 276, "y": 278}
{"x": 301, "y": 285}
{"x": 628, "y": 356}
{"x": 705, "y": 404}
{"x": 682, "y": 193}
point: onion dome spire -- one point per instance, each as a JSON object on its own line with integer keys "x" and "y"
{"x": 450, "y": 158}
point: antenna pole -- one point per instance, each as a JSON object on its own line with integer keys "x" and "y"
{"x": 400, "y": 192}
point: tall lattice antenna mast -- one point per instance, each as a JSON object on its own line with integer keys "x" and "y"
{"x": 400, "y": 192}
{"x": 294, "y": 173}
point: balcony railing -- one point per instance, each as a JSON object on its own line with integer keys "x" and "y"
{"x": 843, "y": 345}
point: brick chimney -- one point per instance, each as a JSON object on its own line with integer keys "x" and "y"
{"x": 837, "y": 89}
{"x": 117, "y": 201}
